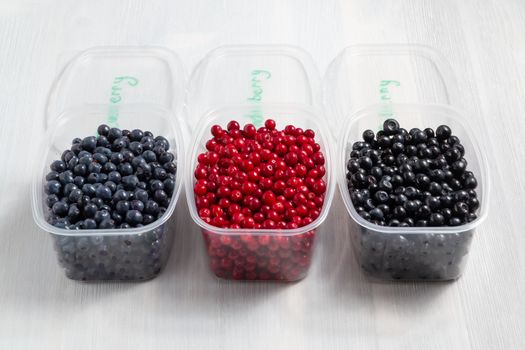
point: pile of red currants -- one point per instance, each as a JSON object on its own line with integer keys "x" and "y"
{"x": 265, "y": 179}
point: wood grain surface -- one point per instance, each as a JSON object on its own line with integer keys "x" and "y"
{"x": 335, "y": 307}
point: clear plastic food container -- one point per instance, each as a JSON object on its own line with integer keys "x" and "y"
{"x": 250, "y": 84}
{"x": 366, "y": 85}
{"x": 129, "y": 88}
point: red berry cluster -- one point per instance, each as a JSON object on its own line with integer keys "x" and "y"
{"x": 260, "y": 179}
{"x": 261, "y": 257}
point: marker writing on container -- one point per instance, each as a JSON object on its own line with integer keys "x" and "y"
{"x": 258, "y": 77}
{"x": 116, "y": 97}
{"x": 385, "y": 97}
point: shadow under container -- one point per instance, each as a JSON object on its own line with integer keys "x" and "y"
{"x": 134, "y": 254}
{"x": 413, "y": 253}
{"x": 240, "y": 254}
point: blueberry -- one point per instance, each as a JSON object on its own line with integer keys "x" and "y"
{"x": 67, "y": 155}
{"x": 454, "y": 221}
{"x": 461, "y": 196}
{"x": 100, "y": 158}
{"x": 156, "y": 185}
{"x": 381, "y": 197}
{"x": 134, "y": 217}
{"x": 158, "y": 150}
{"x": 135, "y": 147}
{"x": 51, "y": 199}
{"x": 443, "y": 132}
{"x": 137, "y": 205}
{"x": 162, "y": 210}
{"x": 473, "y": 203}
{"x": 102, "y": 215}
{"x": 118, "y": 145}
{"x": 148, "y": 146}
{"x": 72, "y": 163}
{"x": 52, "y": 187}
{"x": 128, "y": 155}
{"x": 76, "y": 148}
{"x": 125, "y": 169}
{"x": 80, "y": 170}
{"x": 410, "y": 206}
{"x": 103, "y": 130}
{"x": 376, "y": 214}
{"x": 169, "y": 186}
{"x": 368, "y": 136}
{"x": 397, "y": 148}
{"x": 85, "y": 160}
{"x": 144, "y": 171}
{"x": 113, "y": 134}
{"x": 117, "y": 218}
{"x": 161, "y": 173}
{"x": 125, "y": 225}
{"x": 111, "y": 185}
{"x": 88, "y": 189}
{"x": 89, "y": 143}
{"x": 136, "y": 135}
{"x": 460, "y": 209}
{"x": 89, "y": 224}
{"x": 160, "y": 196}
{"x": 390, "y": 126}
{"x": 138, "y": 161}
{"x": 79, "y": 181}
{"x": 60, "y": 208}
{"x": 107, "y": 223}
{"x": 73, "y": 213}
{"x": 58, "y": 166}
{"x": 162, "y": 142}
{"x": 116, "y": 158}
{"x": 141, "y": 195}
{"x": 104, "y": 193}
{"x": 102, "y": 141}
{"x": 121, "y": 195}
{"x": 99, "y": 202}
{"x": 151, "y": 207}
{"x": 166, "y": 157}
{"x": 93, "y": 178}
{"x": 130, "y": 182}
{"x": 53, "y": 175}
{"x": 94, "y": 168}
{"x": 148, "y": 219}
{"x": 149, "y": 156}
{"x": 424, "y": 211}
{"x": 419, "y": 136}
{"x": 104, "y": 151}
{"x": 85, "y": 200}
{"x": 470, "y": 182}
{"x": 109, "y": 167}
{"x": 90, "y": 210}
{"x": 114, "y": 177}
{"x": 75, "y": 195}
{"x": 122, "y": 207}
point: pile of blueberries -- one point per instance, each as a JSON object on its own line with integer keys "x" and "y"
{"x": 412, "y": 178}
{"x": 119, "y": 179}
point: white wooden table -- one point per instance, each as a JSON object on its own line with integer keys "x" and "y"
{"x": 335, "y": 307}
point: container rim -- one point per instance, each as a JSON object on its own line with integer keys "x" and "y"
{"x": 165, "y": 53}
{"x": 479, "y": 154}
{"x": 440, "y": 62}
{"x": 209, "y": 117}
{"x": 305, "y": 60}
{"x": 40, "y": 166}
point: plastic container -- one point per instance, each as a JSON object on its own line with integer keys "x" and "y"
{"x": 126, "y": 87}
{"x": 366, "y": 85}
{"x": 250, "y": 84}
